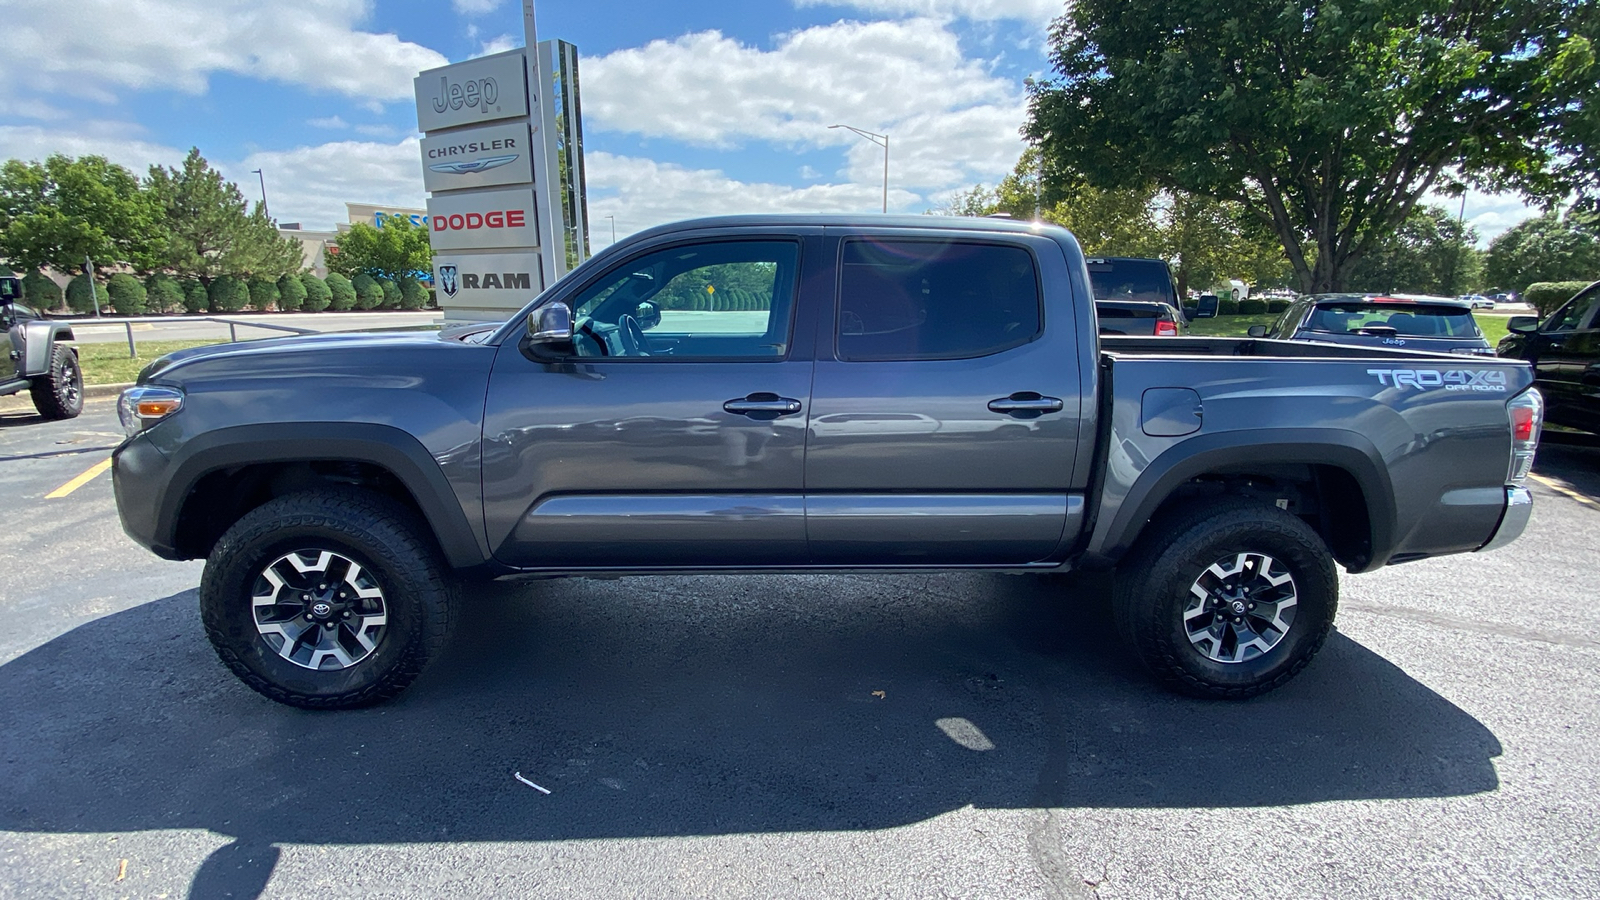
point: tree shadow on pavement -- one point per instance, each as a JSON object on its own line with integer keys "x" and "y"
{"x": 697, "y": 706}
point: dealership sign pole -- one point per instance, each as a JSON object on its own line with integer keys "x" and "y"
{"x": 496, "y": 211}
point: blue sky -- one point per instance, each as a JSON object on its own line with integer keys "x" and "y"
{"x": 691, "y": 108}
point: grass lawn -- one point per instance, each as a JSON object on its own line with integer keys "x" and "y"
{"x": 108, "y": 363}
{"x": 1493, "y": 327}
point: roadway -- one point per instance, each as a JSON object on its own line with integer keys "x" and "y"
{"x": 808, "y": 737}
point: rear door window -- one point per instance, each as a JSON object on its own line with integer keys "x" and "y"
{"x": 935, "y": 299}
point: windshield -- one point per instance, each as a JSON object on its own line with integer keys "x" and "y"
{"x": 1411, "y": 319}
{"x": 1131, "y": 279}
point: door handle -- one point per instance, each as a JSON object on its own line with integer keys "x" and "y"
{"x": 1026, "y": 405}
{"x": 762, "y": 405}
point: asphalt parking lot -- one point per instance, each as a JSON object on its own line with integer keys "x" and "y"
{"x": 805, "y": 737}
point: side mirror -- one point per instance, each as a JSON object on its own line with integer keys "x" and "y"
{"x": 1257, "y": 331}
{"x": 550, "y": 324}
{"x": 648, "y": 314}
{"x": 10, "y": 291}
{"x": 1205, "y": 307}
{"x": 1522, "y": 324}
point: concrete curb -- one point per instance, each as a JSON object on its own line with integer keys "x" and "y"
{"x": 21, "y": 401}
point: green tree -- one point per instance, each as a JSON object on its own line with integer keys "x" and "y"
{"x": 391, "y": 293}
{"x": 128, "y": 296}
{"x": 396, "y": 250}
{"x": 291, "y": 293}
{"x": 40, "y": 292}
{"x": 58, "y": 212}
{"x": 1327, "y": 120}
{"x": 228, "y": 294}
{"x": 263, "y": 292}
{"x": 318, "y": 297}
{"x": 412, "y": 294}
{"x": 1430, "y": 253}
{"x": 341, "y": 296}
{"x": 79, "y": 298}
{"x": 208, "y": 228}
{"x": 368, "y": 294}
{"x": 164, "y": 293}
{"x": 1550, "y": 247}
{"x": 196, "y": 299}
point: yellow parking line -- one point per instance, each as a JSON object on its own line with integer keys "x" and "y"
{"x": 1561, "y": 488}
{"x": 80, "y": 481}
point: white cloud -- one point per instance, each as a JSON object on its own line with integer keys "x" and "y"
{"x": 642, "y": 193}
{"x": 116, "y": 141}
{"x": 1037, "y": 11}
{"x": 949, "y": 118}
{"x": 96, "y": 47}
{"x": 497, "y": 45}
{"x": 312, "y": 184}
{"x": 475, "y": 7}
{"x": 328, "y": 122}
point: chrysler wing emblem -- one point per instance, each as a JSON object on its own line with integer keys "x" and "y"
{"x": 447, "y": 280}
{"x": 473, "y": 165}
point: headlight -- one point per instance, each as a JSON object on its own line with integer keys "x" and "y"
{"x": 143, "y": 406}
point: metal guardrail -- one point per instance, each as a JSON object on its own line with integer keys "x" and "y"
{"x": 233, "y": 326}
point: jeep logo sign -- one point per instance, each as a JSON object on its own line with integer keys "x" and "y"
{"x": 482, "y": 220}
{"x": 478, "y": 90}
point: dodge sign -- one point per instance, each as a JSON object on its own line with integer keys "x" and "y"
{"x": 482, "y": 220}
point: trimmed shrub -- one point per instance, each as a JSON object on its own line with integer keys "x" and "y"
{"x": 1547, "y": 296}
{"x": 317, "y": 294}
{"x": 1252, "y": 307}
{"x": 196, "y": 299}
{"x": 1277, "y": 306}
{"x": 291, "y": 293}
{"x": 412, "y": 294}
{"x": 127, "y": 294}
{"x": 163, "y": 293}
{"x": 263, "y": 292}
{"x": 1227, "y": 306}
{"x": 81, "y": 300}
{"x": 40, "y": 292}
{"x": 391, "y": 293}
{"x": 341, "y": 295}
{"x": 368, "y": 294}
{"x": 228, "y": 294}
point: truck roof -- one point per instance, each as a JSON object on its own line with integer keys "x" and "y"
{"x": 862, "y": 220}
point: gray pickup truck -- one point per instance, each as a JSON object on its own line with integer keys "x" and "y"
{"x": 809, "y": 394}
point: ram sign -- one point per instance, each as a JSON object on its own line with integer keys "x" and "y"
{"x": 492, "y": 285}
{"x": 482, "y": 220}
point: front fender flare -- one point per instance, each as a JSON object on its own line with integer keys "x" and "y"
{"x": 37, "y": 339}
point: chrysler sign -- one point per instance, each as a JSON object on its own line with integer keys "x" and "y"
{"x": 477, "y": 157}
{"x": 482, "y": 220}
{"x": 478, "y": 90}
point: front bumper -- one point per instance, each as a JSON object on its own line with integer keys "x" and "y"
{"x": 1519, "y": 506}
{"x": 138, "y": 473}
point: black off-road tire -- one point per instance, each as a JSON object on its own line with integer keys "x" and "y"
{"x": 391, "y": 544}
{"x": 58, "y": 393}
{"x": 1153, "y": 585}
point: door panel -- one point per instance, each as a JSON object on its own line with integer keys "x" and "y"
{"x": 646, "y": 460}
{"x": 957, "y": 460}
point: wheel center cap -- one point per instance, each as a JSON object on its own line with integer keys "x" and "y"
{"x": 1238, "y": 607}
{"x": 322, "y": 609}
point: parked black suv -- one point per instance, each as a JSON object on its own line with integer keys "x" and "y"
{"x": 1565, "y": 353}
{"x": 32, "y": 357}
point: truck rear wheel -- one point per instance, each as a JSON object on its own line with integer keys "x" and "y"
{"x": 58, "y": 393}
{"x": 1227, "y": 600}
{"x": 327, "y": 599}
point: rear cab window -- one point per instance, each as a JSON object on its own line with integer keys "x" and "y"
{"x": 1405, "y": 318}
{"x": 1125, "y": 278}
{"x": 922, "y": 299}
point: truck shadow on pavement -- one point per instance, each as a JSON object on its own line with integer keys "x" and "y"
{"x": 1573, "y": 460}
{"x": 697, "y": 706}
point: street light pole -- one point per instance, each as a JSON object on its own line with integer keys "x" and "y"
{"x": 613, "y": 228}
{"x": 263, "y": 190}
{"x": 882, "y": 140}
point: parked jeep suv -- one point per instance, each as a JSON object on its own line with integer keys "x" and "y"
{"x": 33, "y": 357}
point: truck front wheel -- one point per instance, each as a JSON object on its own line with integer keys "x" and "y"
{"x": 1227, "y": 600}
{"x": 327, "y": 599}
